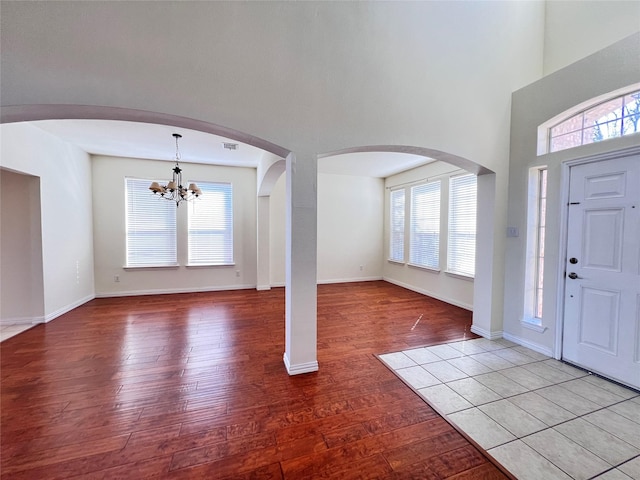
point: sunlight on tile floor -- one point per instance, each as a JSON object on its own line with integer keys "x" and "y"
{"x": 540, "y": 418}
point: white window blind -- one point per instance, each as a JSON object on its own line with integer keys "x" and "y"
{"x": 396, "y": 241}
{"x": 461, "y": 251}
{"x": 424, "y": 243}
{"x": 150, "y": 225}
{"x": 211, "y": 225}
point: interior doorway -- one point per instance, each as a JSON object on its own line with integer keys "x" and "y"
{"x": 22, "y": 293}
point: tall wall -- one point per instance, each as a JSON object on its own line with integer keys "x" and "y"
{"x": 110, "y": 234}
{"x": 350, "y": 223}
{"x": 610, "y": 69}
{"x": 65, "y": 208}
{"x": 576, "y": 29}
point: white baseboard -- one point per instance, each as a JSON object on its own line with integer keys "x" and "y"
{"x": 349, "y": 280}
{"x": 134, "y": 293}
{"x": 308, "y": 367}
{"x": 21, "y": 321}
{"x": 67, "y": 308}
{"x": 486, "y": 333}
{"x": 429, "y": 294}
{"x": 526, "y": 343}
{"x": 335, "y": 280}
{"x": 263, "y": 287}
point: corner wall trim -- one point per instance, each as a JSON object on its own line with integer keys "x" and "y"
{"x": 301, "y": 368}
{"x": 486, "y": 333}
{"x": 21, "y": 321}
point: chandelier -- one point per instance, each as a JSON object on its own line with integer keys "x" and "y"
{"x": 173, "y": 190}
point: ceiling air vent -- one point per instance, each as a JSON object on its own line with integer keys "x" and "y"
{"x": 230, "y": 146}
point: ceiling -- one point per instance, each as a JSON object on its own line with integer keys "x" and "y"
{"x": 155, "y": 142}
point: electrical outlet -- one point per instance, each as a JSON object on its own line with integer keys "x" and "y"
{"x": 512, "y": 232}
{"x": 116, "y": 278}
{"x": 237, "y": 273}
{"x": 361, "y": 267}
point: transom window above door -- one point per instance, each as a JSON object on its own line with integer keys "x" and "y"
{"x": 595, "y": 121}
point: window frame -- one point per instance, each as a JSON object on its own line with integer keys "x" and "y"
{"x": 433, "y": 188}
{"x": 541, "y": 206}
{"x": 545, "y": 129}
{"x": 451, "y": 230}
{"x": 153, "y": 206}
{"x": 532, "y": 318}
{"x": 195, "y": 207}
{"x": 397, "y": 244}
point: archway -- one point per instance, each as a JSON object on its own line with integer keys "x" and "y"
{"x": 302, "y": 305}
{"x": 486, "y": 312}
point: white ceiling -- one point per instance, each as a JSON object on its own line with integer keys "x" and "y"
{"x": 155, "y": 142}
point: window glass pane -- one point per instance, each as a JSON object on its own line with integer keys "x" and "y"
{"x": 603, "y": 131}
{"x": 571, "y": 125}
{"x": 605, "y": 112}
{"x": 150, "y": 226}
{"x": 396, "y": 246}
{"x": 540, "y": 241}
{"x": 461, "y": 251}
{"x": 211, "y": 225}
{"x": 563, "y": 142}
{"x": 631, "y": 124}
{"x": 424, "y": 244}
{"x": 631, "y": 121}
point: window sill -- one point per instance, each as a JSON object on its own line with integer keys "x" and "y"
{"x": 207, "y": 265}
{"x": 422, "y": 267}
{"x": 150, "y": 267}
{"x": 461, "y": 276}
{"x": 534, "y": 324}
{"x": 397, "y": 262}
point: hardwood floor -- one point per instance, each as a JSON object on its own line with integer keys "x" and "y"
{"x": 194, "y": 386}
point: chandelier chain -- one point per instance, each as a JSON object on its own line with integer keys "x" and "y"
{"x": 177, "y": 136}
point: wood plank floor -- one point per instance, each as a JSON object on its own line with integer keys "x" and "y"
{"x": 193, "y": 386}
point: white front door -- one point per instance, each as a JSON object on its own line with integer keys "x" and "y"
{"x": 602, "y": 282}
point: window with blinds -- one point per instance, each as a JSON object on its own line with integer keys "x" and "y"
{"x": 150, "y": 226}
{"x": 396, "y": 241}
{"x": 424, "y": 240}
{"x": 461, "y": 249}
{"x": 211, "y": 225}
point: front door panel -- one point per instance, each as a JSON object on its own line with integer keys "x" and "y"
{"x": 602, "y": 290}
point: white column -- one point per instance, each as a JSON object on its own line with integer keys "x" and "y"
{"x": 487, "y": 307}
{"x": 263, "y": 254}
{"x": 300, "y": 354}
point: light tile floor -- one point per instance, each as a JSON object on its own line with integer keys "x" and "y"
{"x": 538, "y": 417}
{"x": 8, "y": 331}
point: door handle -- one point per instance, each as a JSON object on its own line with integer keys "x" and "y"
{"x": 573, "y": 275}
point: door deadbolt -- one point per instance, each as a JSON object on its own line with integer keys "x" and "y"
{"x": 573, "y": 260}
{"x": 573, "y": 275}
